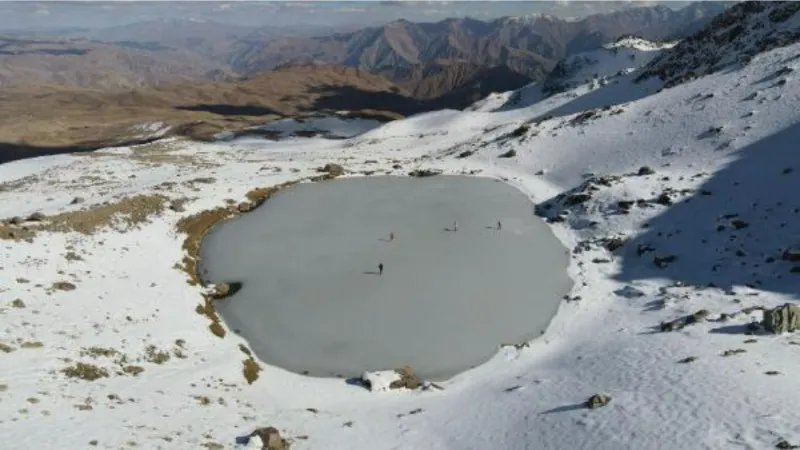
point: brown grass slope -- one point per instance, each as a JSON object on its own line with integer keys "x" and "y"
{"x": 41, "y": 119}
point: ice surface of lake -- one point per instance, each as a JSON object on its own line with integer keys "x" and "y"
{"x": 312, "y": 301}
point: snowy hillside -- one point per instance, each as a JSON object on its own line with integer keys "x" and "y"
{"x": 679, "y": 207}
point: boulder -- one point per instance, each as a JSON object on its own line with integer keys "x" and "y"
{"x": 645, "y": 170}
{"x": 408, "y": 379}
{"x": 791, "y": 255}
{"x": 783, "y": 319}
{"x": 597, "y": 401}
{"x": 509, "y": 154}
{"x": 36, "y": 217}
{"x": 270, "y": 439}
{"x": 332, "y": 169}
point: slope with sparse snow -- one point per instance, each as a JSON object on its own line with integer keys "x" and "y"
{"x": 701, "y": 230}
{"x": 598, "y": 66}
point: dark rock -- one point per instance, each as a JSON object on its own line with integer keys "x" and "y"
{"x": 625, "y": 205}
{"x": 682, "y": 322}
{"x": 521, "y": 130}
{"x": 664, "y": 261}
{"x": 465, "y": 154}
{"x": 509, "y": 154}
{"x": 576, "y": 199}
{"x": 332, "y": 169}
{"x": 597, "y": 401}
{"x": 77, "y": 200}
{"x": 664, "y": 199}
{"x": 791, "y": 255}
{"x": 420, "y": 173}
{"x": 614, "y": 244}
{"x": 36, "y": 217}
{"x": 16, "y": 220}
{"x": 739, "y": 224}
{"x": 645, "y": 170}
{"x": 783, "y": 319}
{"x": 176, "y": 206}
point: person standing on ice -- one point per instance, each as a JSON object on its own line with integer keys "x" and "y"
{"x": 499, "y": 225}
{"x": 380, "y": 268}
{"x": 455, "y": 225}
{"x": 391, "y": 236}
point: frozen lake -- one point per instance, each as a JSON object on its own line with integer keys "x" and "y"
{"x": 312, "y": 299}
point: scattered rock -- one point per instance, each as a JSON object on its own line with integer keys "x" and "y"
{"x": 83, "y": 371}
{"x": 63, "y": 286}
{"x": 682, "y": 322}
{"x": 597, "y": 401}
{"x": 772, "y": 372}
{"x": 629, "y": 292}
{"x": 509, "y": 154}
{"x": 732, "y": 352}
{"x": 36, "y": 217}
{"x": 420, "y": 173}
{"x": 18, "y": 303}
{"x": 688, "y": 360}
{"x": 177, "y": 206}
{"x": 16, "y": 220}
{"x": 77, "y": 200}
{"x": 783, "y": 319}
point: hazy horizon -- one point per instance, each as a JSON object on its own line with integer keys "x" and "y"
{"x": 38, "y": 16}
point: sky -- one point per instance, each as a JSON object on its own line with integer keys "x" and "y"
{"x": 66, "y": 14}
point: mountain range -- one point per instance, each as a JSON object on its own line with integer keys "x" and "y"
{"x": 167, "y": 51}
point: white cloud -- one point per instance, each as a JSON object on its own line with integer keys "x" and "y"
{"x": 41, "y": 10}
{"x": 223, "y": 7}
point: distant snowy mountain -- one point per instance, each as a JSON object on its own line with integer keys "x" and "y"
{"x": 733, "y": 37}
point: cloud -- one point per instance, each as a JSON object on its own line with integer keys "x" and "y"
{"x": 394, "y": 4}
{"x": 41, "y": 10}
{"x": 222, "y": 7}
{"x": 350, "y": 10}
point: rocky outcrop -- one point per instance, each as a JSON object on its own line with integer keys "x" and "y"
{"x": 783, "y": 319}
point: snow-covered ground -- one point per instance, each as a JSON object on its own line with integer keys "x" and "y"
{"x": 704, "y": 230}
